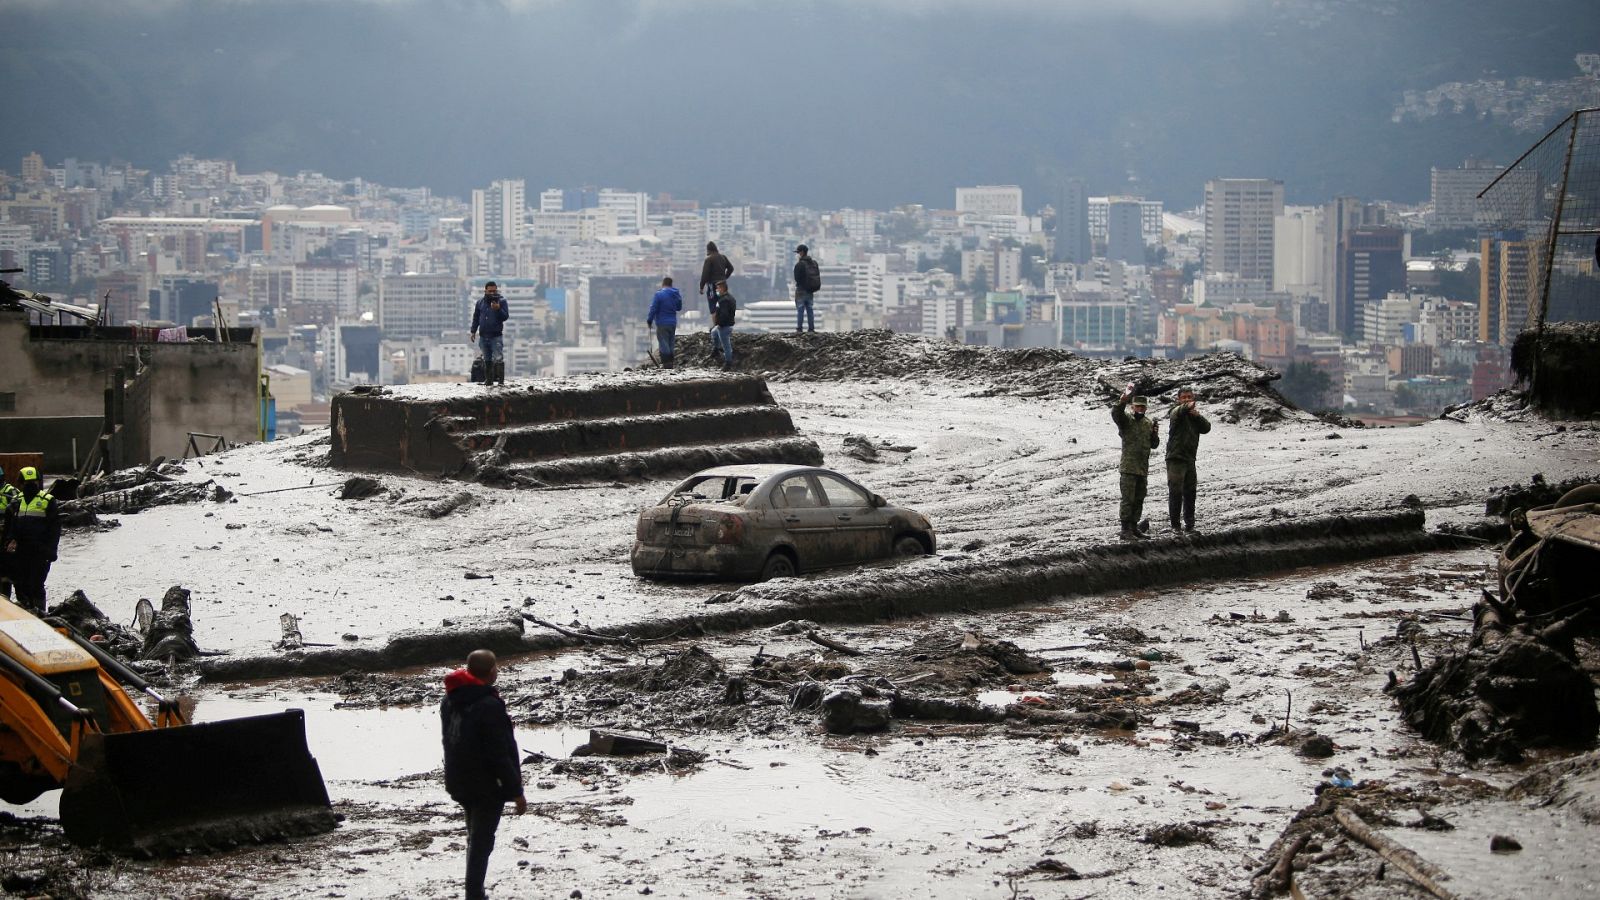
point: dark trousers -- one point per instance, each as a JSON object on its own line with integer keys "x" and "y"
{"x": 1133, "y": 489}
{"x": 666, "y": 342}
{"x": 28, "y": 574}
{"x": 1182, "y": 486}
{"x": 483, "y": 819}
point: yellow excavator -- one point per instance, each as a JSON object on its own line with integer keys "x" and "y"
{"x": 132, "y": 786}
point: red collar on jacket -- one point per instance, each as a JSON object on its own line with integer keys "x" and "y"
{"x": 460, "y": 678}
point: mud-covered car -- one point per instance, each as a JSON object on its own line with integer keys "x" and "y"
{"x": 769, "y": 521}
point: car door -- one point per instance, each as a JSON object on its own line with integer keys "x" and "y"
{"x": 861, "y": 530}
{"x": 804, "y": 515}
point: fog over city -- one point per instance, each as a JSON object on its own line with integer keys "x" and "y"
{"x": 868, "y": 104}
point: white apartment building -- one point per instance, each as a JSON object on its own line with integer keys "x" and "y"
{"x": 689, "y": 235}
{"x": 1455, "y": 192}
{"x": 1151, "y": 217}
{"x": 320, "y": 281}
{"x": 552, "y": 200}
{"x": 578, "y": 225}
{"x": 497, "y": 212}
{"x": 1241, "y": 214}
{"x": 632, "y": 209}
{"x": 413, "y": 305}
{"x": 990, "y": 200}
{"x": 723, "y": 221}
{"x": 1382, "y": 320}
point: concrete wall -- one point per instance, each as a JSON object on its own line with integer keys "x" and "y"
{"x": 52, "y": 437}
{"x": 64, "y": 371}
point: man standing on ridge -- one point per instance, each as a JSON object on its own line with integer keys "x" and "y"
{"x": 807, "y": 281}
{"x": 488, "y": 330}
{"x": 664, "y": 309}
{"x": 716, "y": 268}
{"x": 1184, "y": 427}
{"x": 482, "y": 768}
{"x": 1139, "y": 437}
{"x": 722, "y": 324}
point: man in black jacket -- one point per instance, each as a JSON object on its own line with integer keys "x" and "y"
{"x": 32, "y": 535}
{"x": 722, "y": 324}
{"x": 716, "y": 268}
{"x": 807, "y": 281}
{"x": 482, "y": 769}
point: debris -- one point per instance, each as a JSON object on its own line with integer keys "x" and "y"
{"x": 832, "y": 644}
{"x": 858, "y": 447}
{"x": 170, "y": 634}
{"x": 1414, "y": 866}
{"x": 292, "y": 639}
{"x": 846, "y": 709}
{"x": 359, "y": 487}
{"x": 605, "y": 742}
{"x": 1317, "y": 746}
{"x": 477, "y": 576}
{"x": 1179, "y": 834}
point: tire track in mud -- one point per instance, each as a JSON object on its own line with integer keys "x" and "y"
{"x": 917, "y": 588}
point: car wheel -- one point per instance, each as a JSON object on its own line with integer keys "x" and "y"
{"x": 908, "y": 546}
{"x": 779, "y": 565}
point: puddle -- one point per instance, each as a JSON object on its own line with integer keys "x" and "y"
{"x": 1006, "y": 698}
{"x": 1080, "y": 679}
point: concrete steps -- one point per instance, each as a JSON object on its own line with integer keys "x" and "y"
{"x": 574, "y": 429}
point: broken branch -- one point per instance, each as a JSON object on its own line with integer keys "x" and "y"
{"x": 1415, "y": 867}
{"x": 832, "y": 644}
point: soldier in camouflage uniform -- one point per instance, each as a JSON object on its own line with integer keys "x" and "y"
{"x": 1185, "y": 424}
{"x": 1139, "y": 437}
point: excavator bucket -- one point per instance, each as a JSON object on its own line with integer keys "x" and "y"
{"x": 196, "y": 788}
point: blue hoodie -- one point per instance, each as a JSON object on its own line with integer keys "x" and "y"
{"x": 488, "y": 322}
{"x": 664, "y": 307}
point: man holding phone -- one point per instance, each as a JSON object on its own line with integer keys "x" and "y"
{"x": 488, "y": 331}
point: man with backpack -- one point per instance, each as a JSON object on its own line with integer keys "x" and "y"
{"x": 488, "y": 329}
{"x": 807, "y": 281}
{"x": 716, "y": 268}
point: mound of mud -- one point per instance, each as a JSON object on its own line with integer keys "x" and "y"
{"x": 1494, "y": 701}
{"x": 1225, "y": 379}
{"x": 1560, "y": 367}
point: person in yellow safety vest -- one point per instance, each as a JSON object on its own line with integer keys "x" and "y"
{"x": 32, "y": 536}
{"x": 10, "y": 498}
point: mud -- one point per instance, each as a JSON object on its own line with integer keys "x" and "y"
{"x": 1216, "y": 378}
{"x": 915, "y": 588}
{"x": 1560, "y": 367}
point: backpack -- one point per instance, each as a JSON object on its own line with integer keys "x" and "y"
{"x": 813, "y": 276}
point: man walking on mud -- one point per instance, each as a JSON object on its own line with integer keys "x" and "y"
{"x": 663, "y": 316}
{"x": 1184, "y": 427}
{"x": 482, "y": 769}
{"x": 489, "y": 320}
{"x": 1139, "y": 437}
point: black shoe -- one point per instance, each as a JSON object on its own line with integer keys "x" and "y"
{"x": 1189, "y": 527}
{"x": 1174, "y": 527}
{"x": 1144, "y": 528}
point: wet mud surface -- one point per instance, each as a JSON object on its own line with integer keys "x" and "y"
{"x": 766, "y": 803}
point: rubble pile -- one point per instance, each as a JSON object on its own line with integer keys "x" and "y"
{"x": 136, "y": 489}
{"x": 1242, "y": 388}
{"x": 1521, "y": 681}
{"x": 155, "y": 635}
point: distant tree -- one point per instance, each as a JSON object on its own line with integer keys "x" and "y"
{"x": 1155, "y": 255}
{"x": 1190, "y": 270}
{"x": 979, "y": 285}
{"x": 1405, "y": 398}
{"x": 1032, "y": 256}
{"x": 949, "y": 260}
{"x": 900, "y": 228}
{"x": 1305, "y": 385}
{"x": 1462, "y": 285}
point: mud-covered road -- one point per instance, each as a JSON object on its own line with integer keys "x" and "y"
{"x": 1001, "y": 477}
{"x": 1183, "y": 804}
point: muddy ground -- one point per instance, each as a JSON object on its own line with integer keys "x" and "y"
{"x": 1149, "y": 756}
{"x": 759, "y": 800}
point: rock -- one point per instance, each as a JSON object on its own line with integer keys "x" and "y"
{"x": 1504, "y": 843}
{"x": 359, "y": 487}
{"x": 1317, "y": 746}
{"x": 1178, "y": 834}
{"x": 858, "y": 447}
{"x": 846, "y": 711}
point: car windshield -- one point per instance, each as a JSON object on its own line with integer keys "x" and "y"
{"x": 715, "y": 488}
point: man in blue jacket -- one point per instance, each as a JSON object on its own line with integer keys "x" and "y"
{"x": 482, "y": 768}
{"x": 664, "y": 309}
{"x": 488, "y": 330}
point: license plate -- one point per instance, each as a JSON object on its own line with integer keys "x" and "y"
{"x": 683, "y": 531}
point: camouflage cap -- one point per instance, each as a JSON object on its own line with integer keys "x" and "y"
{"x": 1141, "y": 400}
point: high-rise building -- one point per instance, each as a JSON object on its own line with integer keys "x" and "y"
{"x": 552, "y": 200}
{"x": 1505, "y": 287}
{"x": 421, "y": 305}
{"x": 1125, "y": 231}
{"x": 1372, "y": 263}
{"x": 1339, "y": 216}
{"x": 1455, "y": 192}
{"x": 334, "y": 283}
{"x": 497, "y": 212}
{"x": 181, "y": 299}
{"x": 1072, "y": 223}
{"x": 1297, "y": 251}
{"x": 1240, "y": 216}
{"x": 632, "y": 209}
{"x": 990, "y": 200}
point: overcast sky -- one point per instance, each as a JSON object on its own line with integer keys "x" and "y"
{"x": 832, "y": 103}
